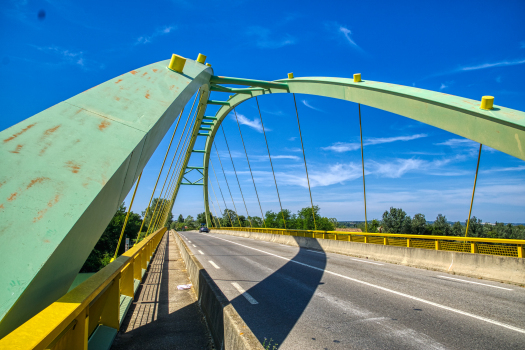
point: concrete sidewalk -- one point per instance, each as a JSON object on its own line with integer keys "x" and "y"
{"x": 161, "y": 316}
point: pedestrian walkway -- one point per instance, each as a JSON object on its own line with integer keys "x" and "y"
{"x": 161, "y": 316}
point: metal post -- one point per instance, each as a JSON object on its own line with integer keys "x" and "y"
{"x": 473, "y": 190}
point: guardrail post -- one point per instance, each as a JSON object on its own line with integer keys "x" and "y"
{"x": 438, "y": 244}
{"x": 520, "y": 251}
{"x": 409, "y": 243}
{"x": 349, "y": 238}
{"x": 110, "y": 316}
{"x": 385, "y": 241}
{"x": 473, "y": 248}
{"x": 144, "y": 259}
{"x": 126, "y": 280}
{"x": 366, "y": 239}
{"x": 137, "y": 268}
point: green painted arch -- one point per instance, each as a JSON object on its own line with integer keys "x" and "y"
{"x": 500, "y": 128}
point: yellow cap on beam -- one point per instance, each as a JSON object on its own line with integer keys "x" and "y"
{"x": 177, "y": 63}
{"x": 487, "y": 102}
{"x": 201, "y": 58}
{"x": 357, "y": 78}
{"x": 209, "y": 65}
{"x": 290, "y": 75}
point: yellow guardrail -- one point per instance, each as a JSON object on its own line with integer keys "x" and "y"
{"x": 94, "y": 309}
{"x": 492, "y": 246}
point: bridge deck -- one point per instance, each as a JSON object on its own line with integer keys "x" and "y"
{"x": 161, "y": 316}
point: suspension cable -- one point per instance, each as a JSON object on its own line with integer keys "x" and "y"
{"x": 249, "y": 166}
{"x": 160, "y": 172}
{"x": 216, "y": 200}
{"x": 363, "y": 164}
{"x": 234, "y": 207}
{"x": 238, "y": 183}
{"x": 154, "y": 217}
{"x": 270, "y": 157}
{"x": 304, "y": 157}
{"x": 216, "y": 217}
{"x": 126, "y": 219}
{"x": 473, "y": 190}
{"x": 218, "y": 184}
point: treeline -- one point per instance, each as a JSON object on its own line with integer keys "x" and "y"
{"x": 396, "y": 220}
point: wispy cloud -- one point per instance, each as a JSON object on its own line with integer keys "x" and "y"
{"x": 310, "y": 106}
{"x": 495, "y": 170}
{"x": 285, "y": 157}
{"x": 292, "y": 138}
{"x": 397, "y": 168}
{"x": 145, "y": 39}
{"x": 504, "y": 63}
{"x": 69, "y": 56}
{"x": 340, "y": 147}
{"x": 264, "y": 40}
{"x": 347, "y": 34}
{"x": 254, "y": 124}
{"x": 338, "y": 32}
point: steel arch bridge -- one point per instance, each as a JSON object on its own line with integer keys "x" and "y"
{"x": 59, "y": 185}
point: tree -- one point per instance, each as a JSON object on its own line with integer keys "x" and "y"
{"x": 419, "y": 225}
{"x": 396, "y": 221}
{"x": 107, "y": 244}
{"x": 457, "y": 229}
{"x": 201, "y": 219}
{"x": 441, "y": 227}
{"x": 157, "y": 205}
{"x": 475, "y": 227}
{"x": 189, "y": 222}
{"x": 180, "y": 219}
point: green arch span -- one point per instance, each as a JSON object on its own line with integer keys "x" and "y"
{"x": 500, "y": 128}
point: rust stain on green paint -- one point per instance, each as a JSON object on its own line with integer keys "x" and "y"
{"x": 133, "y": 72}
{"x": 36, "y": 181}
{"x": 104, "y": 124}
{"x": 17, "y": 149}
{"x": 50, "y": 204}
{"x": 118, "y": 81}
{"x": 51, "y": 130}
{"x": 20, "y": 132}
{"x": 74, "y": 167}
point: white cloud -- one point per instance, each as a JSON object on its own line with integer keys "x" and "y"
{"x": 493, "y": 170}
{"x": 310, "y": 106}
{"x": 254, "y": 124}
{"x": 443, "y": 86}
{"x": 67, "y": 56}
{"x": 292, "y": 138}
{"x": 145, "y": 39}
{"x": 264, "y": 40}
{"x": 495, "y": 64}
{"x": 340, "y": 147}
{"x": 395, "y": 169}
{"x": 286, "y": 157}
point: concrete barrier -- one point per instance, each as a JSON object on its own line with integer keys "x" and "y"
{"x": 491, "y": 267}
{"x": 228, "y": 329}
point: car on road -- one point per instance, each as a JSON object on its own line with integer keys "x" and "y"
{"x": 204, "y": 229}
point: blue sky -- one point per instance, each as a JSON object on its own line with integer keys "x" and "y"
{"x": 467, "y": 48}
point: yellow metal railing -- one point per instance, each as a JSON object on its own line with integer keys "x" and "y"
{"x": 492, "y": 246}
{"x": 97, "y": 305}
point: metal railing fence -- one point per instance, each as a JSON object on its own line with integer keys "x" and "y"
{"x": 93, "y": 311}
{"x": 476, "y": 245}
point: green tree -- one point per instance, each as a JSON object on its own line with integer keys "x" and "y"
{"x": 475, "y": 227}
{"x": 155, "y": 208}
{"x": 457, "y": 229}
{"x": 396, "y": 221}
{"x": 441, "y": 227}
{"x": 419, "y": 225}
{"x": 180, "y": 219}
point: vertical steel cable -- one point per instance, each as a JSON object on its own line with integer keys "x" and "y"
{"x": 215, "y": 211}
{"x": 160, "y": 172}
{"x": 222, "y": 195}
{"x": 363, "y": 164}
{"x": 234, "y": 207}
{"x": 176, "y": 150}
{"x": 238, "y": 183}
{"x": 215, "y": 197}
{"x": 304, "y": 157}
{"x": 249, "y": 166}
{"x": 270, "y": 157}
{"x": 127, "y": 217}
{"x": 473, "y": 190}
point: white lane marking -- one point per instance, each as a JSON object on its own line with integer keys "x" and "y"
{"x": 244, "y": 294}
{"x": 214, "y": 264}
{"x": 200, "y": 251}
{"x": 483, "y": 284}
{"x": 194, "y": 246}
{"x": 369, "y": 262}
{"x": 188, "y": 241}
{"x": 488, "y": 320}
{"x": 314, "y": 251}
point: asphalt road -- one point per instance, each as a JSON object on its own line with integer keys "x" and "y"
{"x": 309, "y": 299}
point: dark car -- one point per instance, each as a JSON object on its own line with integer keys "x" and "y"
{"x": 204, "y": 229}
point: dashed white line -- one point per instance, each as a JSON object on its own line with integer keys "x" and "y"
{"x": 188, "y": 241}
{"x": 244, "y": 294}
{"x": 194, "y": 246}
{"x": 369, "y": 262}
{"x": 214, "y": 264}
{"x": 483, "y": 284}
{"x": 488, "y": 320}
{"x": 200, "y": 251}
{"x": 314, "y": 251}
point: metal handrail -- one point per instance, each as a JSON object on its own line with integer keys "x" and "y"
{"x": 73, "y": 319}
{"x": 510, "y": 247}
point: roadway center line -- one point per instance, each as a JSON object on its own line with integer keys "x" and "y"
{"x": 314, "y": 251}
{"x": 483, "y": 284}
{"x": 194, "y": 246}
{"x": 368, "y": 262}
{"x": 200, "y": 251}
{"x": 481, "y": 318}
{"x": 244, "y": 294}
{"x": 214, "y": 264}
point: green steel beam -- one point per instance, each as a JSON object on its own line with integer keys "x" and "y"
{"x": 500, "y": 128}
{"x": 211, "y": 118}
{"x": 203, "y": 134}
{"x": 248, "y": 82}
{"x": 234, "y": 90}
{"x": 207, "y": 123}
{"x": 220, "y": 103}
{"x": 60, "y": 187}
{"x": 199, "y": 151}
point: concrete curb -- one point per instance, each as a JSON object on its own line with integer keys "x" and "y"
{"x": 228, "y": 329}
{"x": 491, "y": 267}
